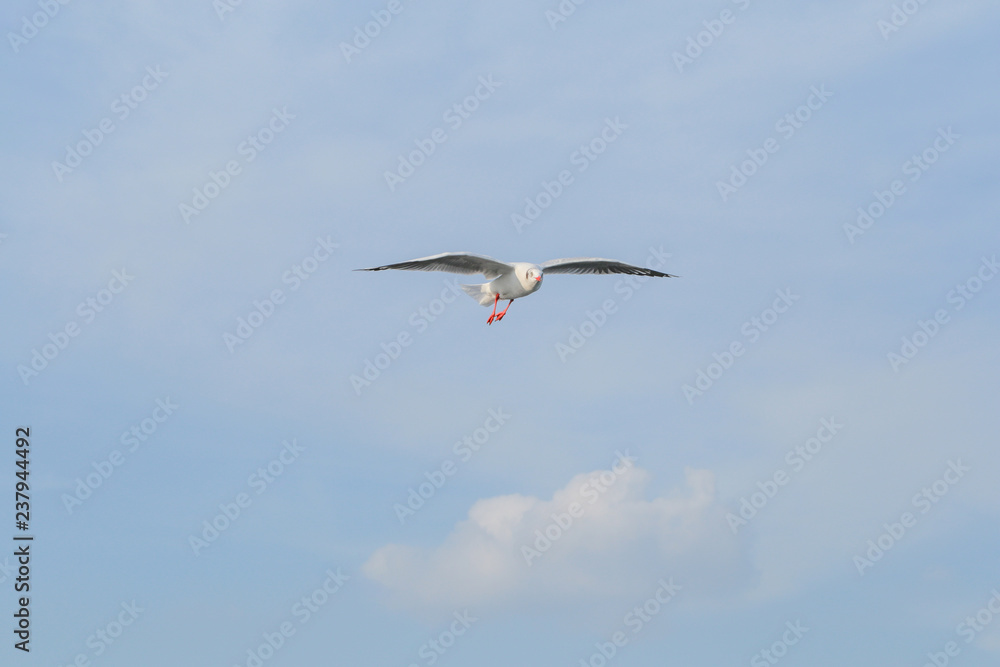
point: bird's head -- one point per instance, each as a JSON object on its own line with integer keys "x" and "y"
{"x": 528, "y": 275}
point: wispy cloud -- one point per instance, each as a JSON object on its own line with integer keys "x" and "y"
{"x": 596, "y": 536}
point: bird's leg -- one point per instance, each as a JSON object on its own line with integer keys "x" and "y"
{"x": 494, "y": 315}
{"x": 500, "y": 316}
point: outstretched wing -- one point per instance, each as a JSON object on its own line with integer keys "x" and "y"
{"x": 454, "y": 262}
{"x": 599, "y": 266}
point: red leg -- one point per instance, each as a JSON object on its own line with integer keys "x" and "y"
{"x": 494, "y": 315}
{"x": 500, "y": 316}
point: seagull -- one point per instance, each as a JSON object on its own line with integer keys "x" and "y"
{"x": 511, "y": 281}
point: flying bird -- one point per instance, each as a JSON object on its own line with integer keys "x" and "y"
{"x": 511, "y": 281}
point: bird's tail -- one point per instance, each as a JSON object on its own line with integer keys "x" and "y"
{"x": 480, "y": 293}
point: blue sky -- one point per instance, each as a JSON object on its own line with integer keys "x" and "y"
{"x": 785, "y": 455}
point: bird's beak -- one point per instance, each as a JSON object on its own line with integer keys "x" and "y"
{"x": 538, "y": 278}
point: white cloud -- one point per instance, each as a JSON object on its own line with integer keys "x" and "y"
{"x": 597, "y": 536}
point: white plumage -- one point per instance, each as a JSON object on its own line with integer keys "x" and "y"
{"x": 512, "y": 280}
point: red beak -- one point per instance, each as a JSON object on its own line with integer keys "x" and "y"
{"x": 538, "y": 278}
